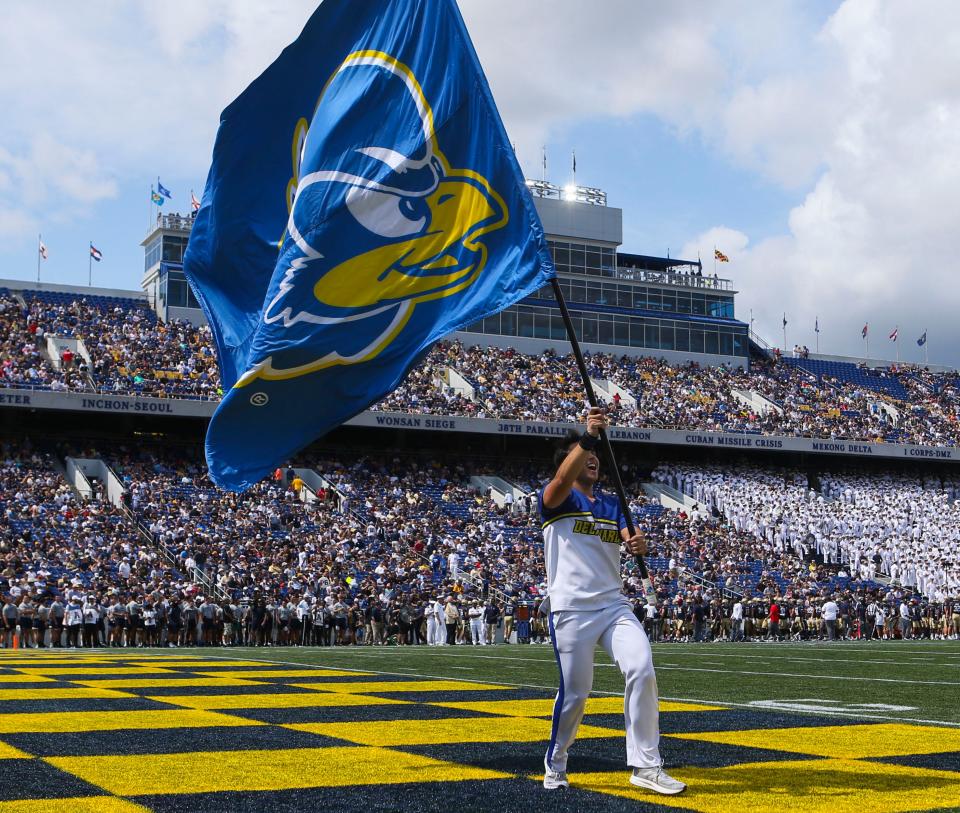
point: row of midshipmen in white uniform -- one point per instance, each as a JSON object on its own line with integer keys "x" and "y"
{"x": 895, "y": 524}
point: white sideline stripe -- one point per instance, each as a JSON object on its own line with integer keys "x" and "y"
{"x": 812, "y": 677}
{"x": 471, "y": 656}
{"x": 772, "y": 657}
{"x": 931, "y": 648}
{"x": 701, "y": 701}
{"x": 698, "y": 669}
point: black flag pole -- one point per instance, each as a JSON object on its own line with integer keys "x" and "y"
{"x": 610, "y": 461}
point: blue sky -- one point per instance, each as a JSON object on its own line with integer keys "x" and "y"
{"x": 814, "y": 143}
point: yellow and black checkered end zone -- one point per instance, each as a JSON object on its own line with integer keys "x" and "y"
{"x": 113, "y": 732}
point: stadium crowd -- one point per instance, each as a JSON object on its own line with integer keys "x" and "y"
{"x": 792, "y": 401}
{"x": 900, "y": 526}
{"x": 22, "y": 364}
{"x": 405, "y": 550}
{"x": 66, "y": 560}
{"x": 127, "y": 350}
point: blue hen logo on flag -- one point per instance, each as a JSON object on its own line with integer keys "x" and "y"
{"x": 373, "y": 149}
{"x": 399, "y": 225}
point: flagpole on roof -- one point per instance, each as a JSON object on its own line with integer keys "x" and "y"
{"x": 605, "y": 446}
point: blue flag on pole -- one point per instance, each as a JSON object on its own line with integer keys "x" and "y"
{"x": 363, "y": 201}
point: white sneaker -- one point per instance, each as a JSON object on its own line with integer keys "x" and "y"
{"x": 655, "y": 779}
{"x": 554, "y": 779}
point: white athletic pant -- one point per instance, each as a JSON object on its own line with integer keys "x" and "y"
{"x": 575, "y": 634}
{"x": 476, "y": 630}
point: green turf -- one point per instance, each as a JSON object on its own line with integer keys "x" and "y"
{"x": 843, "y": 677}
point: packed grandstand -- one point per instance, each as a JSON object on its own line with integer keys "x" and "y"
{"x": 392, "y": 548}
{"x": 127, "y": 350}
{"x": 434, "y": 546}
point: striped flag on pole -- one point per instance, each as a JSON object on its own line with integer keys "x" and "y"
{"x": 194, "y": 202}
{"x": 893, "y": 336}
{"x": 43, "y": 250}
{"x": 95, "y": 253}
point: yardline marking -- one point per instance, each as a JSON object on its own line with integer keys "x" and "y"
{"x": 409, "y": 673}
{"x": 824, "y": 649}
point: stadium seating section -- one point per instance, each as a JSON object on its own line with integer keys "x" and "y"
{"x": 125, "y": 349}
{"x": 398, "y": 533}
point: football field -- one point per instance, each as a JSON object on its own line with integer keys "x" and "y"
{"x": 764, "y": 727}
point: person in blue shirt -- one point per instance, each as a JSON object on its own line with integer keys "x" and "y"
{"x": 583, "y": 531}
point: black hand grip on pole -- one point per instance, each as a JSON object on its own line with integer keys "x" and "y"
{"x": 610, "y": 460}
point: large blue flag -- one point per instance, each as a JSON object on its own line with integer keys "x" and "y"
{"x": 363, "y": 201}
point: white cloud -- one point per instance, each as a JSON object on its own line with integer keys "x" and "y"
{"x": 48, "y": 176}
{"x": 873, "y": 240}
{"x": 727, "y": 241}
{"x": 123, "y": 93}
{"x": 551, "y": 64}
{"x": 14, "y": 223}
{"x": 859, "y": 114}
{"x": 141, "y": 84}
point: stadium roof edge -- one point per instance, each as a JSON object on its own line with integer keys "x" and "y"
{"x": 80, "y": 290}
{"x": 654, "y": 263}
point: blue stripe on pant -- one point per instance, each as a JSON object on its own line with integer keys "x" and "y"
{"x": 558, "y": 703}
{"x": 574, "y": 635}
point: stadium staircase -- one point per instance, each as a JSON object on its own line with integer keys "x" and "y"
{"x": 759, "y": 348}
{"x": 756, "y": 402}
{"x": 456, "y": 383}
{"x": 687, "y": 577}
{"x": 668, "y": 497}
